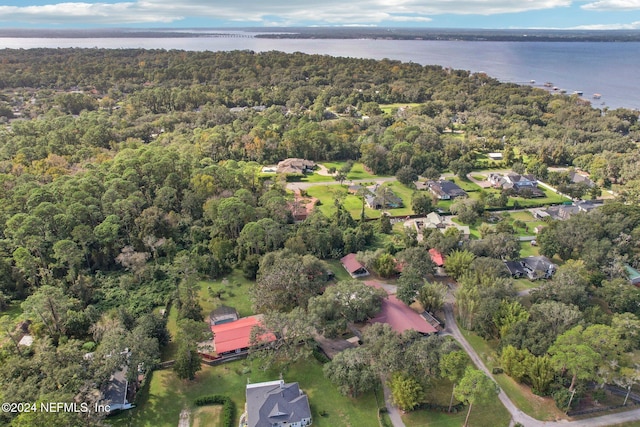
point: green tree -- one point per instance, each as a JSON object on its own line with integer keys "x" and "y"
{"x": 432, "y": 295}
{"x": 187, "y": 359}
{"x": 409, "y": 283}
{"x": 287, "y": 280}
{"x": 540, "y": 373}
{"x": 421, "y": 204}
{"x": 282, "y": 338}
{"x": 452, "y": 367}
{"x": 406, "y": 391}
{"x": 572, "y": 353}
{"x": 49, "y": 306}
{"x": 350, "y": 370}
{"x": 475, "y": 387}
{"x": 458, "y": 262}
{"x": 343, "y": 303}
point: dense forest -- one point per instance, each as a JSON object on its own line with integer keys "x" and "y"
{"x": 126, "y": 175}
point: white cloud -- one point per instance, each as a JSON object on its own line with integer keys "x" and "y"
{"x": 613, "y": 5}
{"x": 631, "y": 26}
{"x": 336, "y": 12}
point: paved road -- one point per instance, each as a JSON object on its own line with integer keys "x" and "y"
{"x": 517, "y": 415}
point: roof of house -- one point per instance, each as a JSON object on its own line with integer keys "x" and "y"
{"x": 436, "y": 257}
{"x": 293, "y": 165}
{"x": 115, "y": 393}
{"x": 399, "y": 316}
{"x": 576, "y": 178}
{"x": 236, "y": 335}
{"x": 515, "y": 268}
{"x": 350, "y": 263}
{"x": 276, "y": 402}
{"x": 632, "y": 273}
{"x": 538, "y": 263}
{"x": 447, "y": 187}
{"x": 223, "y": 314}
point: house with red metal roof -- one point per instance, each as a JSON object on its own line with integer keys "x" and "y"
{"x": 436, "y": 257}
{"x": 353, "y": 266}
{"x": 400, "y": 316}
{"x": 235, "y": 337}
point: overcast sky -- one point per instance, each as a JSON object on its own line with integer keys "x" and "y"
{"x": 585, "y": 14}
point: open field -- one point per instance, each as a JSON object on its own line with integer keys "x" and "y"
{"x": 161, "y": 401}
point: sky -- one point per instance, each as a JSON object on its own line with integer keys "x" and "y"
{"x": 494, "y": 14}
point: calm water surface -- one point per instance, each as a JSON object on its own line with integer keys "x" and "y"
{"x": 610, "y": 69}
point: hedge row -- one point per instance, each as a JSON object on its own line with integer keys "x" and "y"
{"x": 228, "y": 407}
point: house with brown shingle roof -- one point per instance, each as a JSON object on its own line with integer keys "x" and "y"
{"x": 353, "y": 266}
{"x": 293, "y": 165}
{"x": 400, "y": 316}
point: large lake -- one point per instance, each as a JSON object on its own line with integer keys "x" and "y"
{"x": 607, "y": 68}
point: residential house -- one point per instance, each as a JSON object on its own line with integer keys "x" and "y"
{"x": 436, "y": 257}
{"x": 277, "y": 404}
{"x": 578, "y": 178}
{"x": 301, "y": 207}
{"x": 235, "y": 337}
{"x": 633, "y": 275}
{"x": 295, "y": 166}
{"x": 421, "y": 185}
{"x": 223, "y": 314}
{"x": 400, "y": 316}
{"x": 516, "y": 182}
{"x": 532, "y": 267}
{"x": 353, "y": 266}
{"x": 375, "y": 200}
{"x": 115, "y": 393}
{"x": 564, "y": 212}
{"x": 495, "y": 156}
{"x": 445, "y": 190}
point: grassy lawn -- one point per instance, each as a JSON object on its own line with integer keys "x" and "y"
{"x": 172, "y": 326}
{"x": 551, "y": 198}
{"x": 236, "y": 294}
{"x": 526, "y": 249}
{"x": 535, "y": 406}
{"x": 357, "y": 171}
{"x": 353, "y": 204}
{"x": 161, "y": 401}
{"x": 540, "y": 408}
{"x": 491, "y": 414}
{"x": 338, "y": 270}
{"x": 207, "y": 416}
{"x": 524, "y": 284}
{"x": 389, "y": 108}
{"x": 13, "y": 311}
{"x": 465, "y": 184}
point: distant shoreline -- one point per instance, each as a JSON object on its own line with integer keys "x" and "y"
{"x": 477, "y": 35}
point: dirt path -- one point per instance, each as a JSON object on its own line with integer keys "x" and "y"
{"x": 185, "y": 417}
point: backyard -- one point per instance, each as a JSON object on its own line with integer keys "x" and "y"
{"x": 165, "y": 396}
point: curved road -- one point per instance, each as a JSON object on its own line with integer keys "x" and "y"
{"x": 516, "y": 414}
